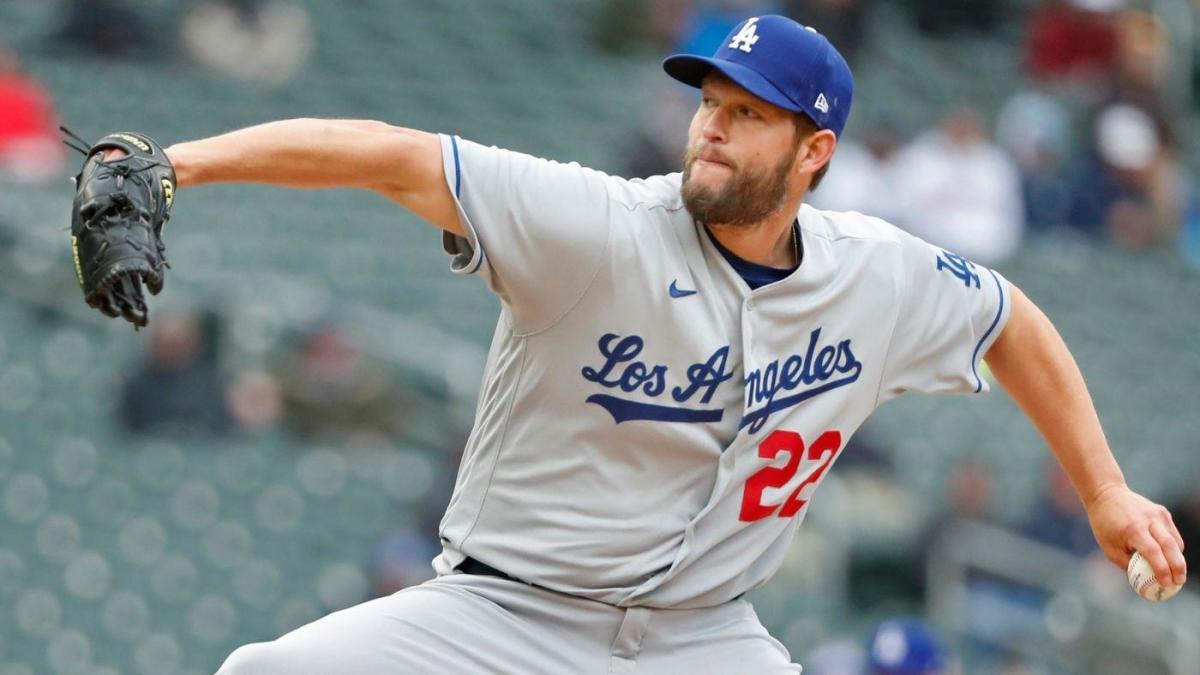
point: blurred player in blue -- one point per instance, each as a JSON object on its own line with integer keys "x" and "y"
{"x": 905, "y": 646}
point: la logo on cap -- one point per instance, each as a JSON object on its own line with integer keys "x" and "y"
{"x": 747, "y": 37}
{"x": 793, "y": 67}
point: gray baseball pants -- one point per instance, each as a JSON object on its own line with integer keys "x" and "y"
{"x": 469, "y": 624}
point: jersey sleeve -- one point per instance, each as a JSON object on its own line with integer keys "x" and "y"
{"x": 951, "y": 311}
{"x": 536, "y": 230}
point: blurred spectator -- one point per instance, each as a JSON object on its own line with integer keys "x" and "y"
{"x": 1142, "y": 55}
{"x": 1073, "y": 40}
{"x": 30, "y": 149}
{"x": 968, "y": 498}
{"x": 1128, "y": 185}
{"x": 331, "y": 389}
{"x": 1058, "y": 518}
{"x": 657, "y": 147}
{"x": 958, "y": 190}
{"x": 860, "y": 177}
{"x": 111, "y": 28}
{"x": 255, "y": 401}
{"x": 840, "y": 21}
{"x": 1035, "y": 130}
{"x": 265, "y": 41}
{"x": 177, "y": 390}
{"x": 905, "y": 646}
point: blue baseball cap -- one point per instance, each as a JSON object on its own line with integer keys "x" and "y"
{"x": 782, "y": 62}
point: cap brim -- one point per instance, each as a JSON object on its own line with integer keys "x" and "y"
{"x": 691, "y": 70}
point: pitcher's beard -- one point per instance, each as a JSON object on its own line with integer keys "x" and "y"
{"x": 746, "y": 198}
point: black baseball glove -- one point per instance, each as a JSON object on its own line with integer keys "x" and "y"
{"x": 121, "y": 206}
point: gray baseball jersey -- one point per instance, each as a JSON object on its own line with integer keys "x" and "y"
{"x": 650, "y": 431}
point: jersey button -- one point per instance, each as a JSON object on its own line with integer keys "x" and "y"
{"x": 749, "y": 305}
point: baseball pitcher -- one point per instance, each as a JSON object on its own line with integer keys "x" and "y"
{"x": 678, "y": 363}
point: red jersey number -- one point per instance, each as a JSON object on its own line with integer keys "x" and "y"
{"x": 822, "y": 450}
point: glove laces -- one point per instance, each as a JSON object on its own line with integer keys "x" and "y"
{"x": 121, "y": 171}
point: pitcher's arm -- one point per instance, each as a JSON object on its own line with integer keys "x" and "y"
{"x": 1033, "y": 364}
{"x": 401, "y": 164}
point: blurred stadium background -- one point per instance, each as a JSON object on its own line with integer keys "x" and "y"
{"x": 281, "y": 442}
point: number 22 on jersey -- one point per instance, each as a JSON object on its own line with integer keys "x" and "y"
{"x": 823, "y": 450}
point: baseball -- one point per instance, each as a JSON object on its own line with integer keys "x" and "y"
{"x": 1142, "y": 578}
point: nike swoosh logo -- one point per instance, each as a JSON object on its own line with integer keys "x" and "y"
{"x": 676, "y": 292}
